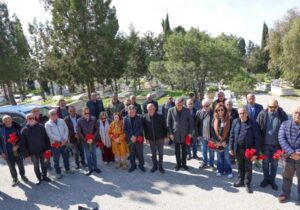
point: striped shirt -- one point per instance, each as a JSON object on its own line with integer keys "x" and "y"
{"x": 289, "y": 137}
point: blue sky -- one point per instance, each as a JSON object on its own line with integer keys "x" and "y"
{"x": 240, "y": 17}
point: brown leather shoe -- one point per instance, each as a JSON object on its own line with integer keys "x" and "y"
{"x": 282, "y": 198}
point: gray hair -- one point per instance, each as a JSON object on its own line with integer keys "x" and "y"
{"x": 29, "y": 115}
{"x": 131, "y": 107}
{"x": 71, "y": 107}
{"x": 6, "y": 117}
{"x": 103, "y": 114}
{"x": 52, "y": 111}
{"x": 205, "y": 101}
{"x": 179, "y": 100}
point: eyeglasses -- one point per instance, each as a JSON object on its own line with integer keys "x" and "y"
{"x": 31, "y": 118}
{"x": 103, "y": 118}
{"x": 272, "y": 107}
{"x": 53, "y": 114}
{"x": 242, "y": 113}
{"x": 297, "y": 113}
{"x": 220, "y": 110}
{"x": 86, "y": 113}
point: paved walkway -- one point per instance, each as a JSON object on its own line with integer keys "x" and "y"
{"x": 117, "y": 189}
{"x": 287, "y": 104}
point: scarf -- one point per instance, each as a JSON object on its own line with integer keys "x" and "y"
{"x": 103, "y": 130}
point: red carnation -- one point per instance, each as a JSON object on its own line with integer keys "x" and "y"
{"x": 13, "y": 139}
{"x": 212, "y": 145}
{"x": 278, "y": 154}
{"x": 140, "y": 139}
{"x": 262, "y": 157}
{"x": 89, "y": 140}
{"x": 188, "y": 140}
{"x": 47, "y": 155}
{"x": 56, "y": 144}
{"x": 100, "y": 145}
{"x": 249, "y": 153}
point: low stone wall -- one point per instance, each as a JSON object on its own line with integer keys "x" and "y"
{"x": 282, "y": 91}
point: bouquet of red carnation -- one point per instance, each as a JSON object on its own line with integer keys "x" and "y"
{"x": 250, "y": 153}
{"x": 89, "y": 140}
{"x": 188, "y": 140}
{"x": 56, "y": 144}
{"x": 211, "y": 145}
{"x": 47, "y": 155}
{"x": 100, "y": 145}
{"x": 140, "y": 139}
{"x": 13, "y": 139}
{"x": 279, "y": 154}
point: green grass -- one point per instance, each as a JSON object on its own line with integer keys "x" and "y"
{"x": 174, "y": 94}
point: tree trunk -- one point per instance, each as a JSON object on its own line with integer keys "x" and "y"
{"x": 88, "y": 89}
{"x": 116, "y": 86}
{"x": 201, "y": 89}
{"x": 5, "y": 92}
{"x": 52, "y": 88}
{"x": 10, "y": 94}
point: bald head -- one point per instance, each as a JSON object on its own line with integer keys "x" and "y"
{"x": 296, "y": 115}
{"x": 273, "y": 105}
{"x": 243, "y": 114}
{"x": 151, "y": 109}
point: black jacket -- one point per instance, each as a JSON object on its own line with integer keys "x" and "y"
{"x": 155, "y": 127}
{"x": 262, "y": 120}
{"x": 70, "y": 126}
{"x": 252, "y": 136}
{"x": 199, "y": 122}
{"x": 34, "y": 140}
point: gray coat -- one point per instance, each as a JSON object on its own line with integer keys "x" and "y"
{"x": 179, "y": 128}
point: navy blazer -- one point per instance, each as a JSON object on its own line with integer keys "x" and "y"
{"x": 252, "y": 136}
{"x": 257, "y": 109}
{"x": 135, "y": 130}
{"x": 3, "y": 143}
{"x": 90, "y": 105}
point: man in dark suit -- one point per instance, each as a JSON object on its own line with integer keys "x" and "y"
{"x": 180, "y": 125}
{"x": 155, "y": 132}
{"x": 194, "y": 144}
{"x": 253, "y": 108}
{"x": 133, "y": 128}
{"x": 148, "y": 101}
{"x": 71, "y": 121}
{"x": 244, "y": 135}
{"x": 95, "y": 105}
{"x": 138, "y": 106}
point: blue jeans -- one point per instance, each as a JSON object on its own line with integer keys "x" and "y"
{"x": 204, "y": 144}
{"x": 194, "y": 146}
{"x": 90, "y": 155}
{"x": 56, "y": 154}
{"x": 269, "y": 164}
{"x": 223, "y": 163}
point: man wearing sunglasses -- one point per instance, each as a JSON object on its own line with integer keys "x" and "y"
{"x": 269, "y": 121}
{"x": 88, "y": 124}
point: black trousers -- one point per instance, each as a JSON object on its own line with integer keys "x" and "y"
{"x": 157, "y": 147}
{"x": 180, "y": 155}
{"x": 244, "y": 167}
{"x": 78, "y": 152}
{"x": 12, "y": 161}
{"x": 136, "y": 151}
{"x": 38, "y": 161}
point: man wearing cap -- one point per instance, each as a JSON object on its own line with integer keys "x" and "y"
{"x": 11, "y": 152}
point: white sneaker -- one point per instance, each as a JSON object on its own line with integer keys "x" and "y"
{"x": 219, "y": 174}
{"x": 105, "y": 163}
{"x": 230, "y": 176}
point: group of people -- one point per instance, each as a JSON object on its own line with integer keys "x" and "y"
{"x": 121, "y": 130}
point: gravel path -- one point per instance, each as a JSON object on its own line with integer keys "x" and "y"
{"x": 117, "y": 189}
